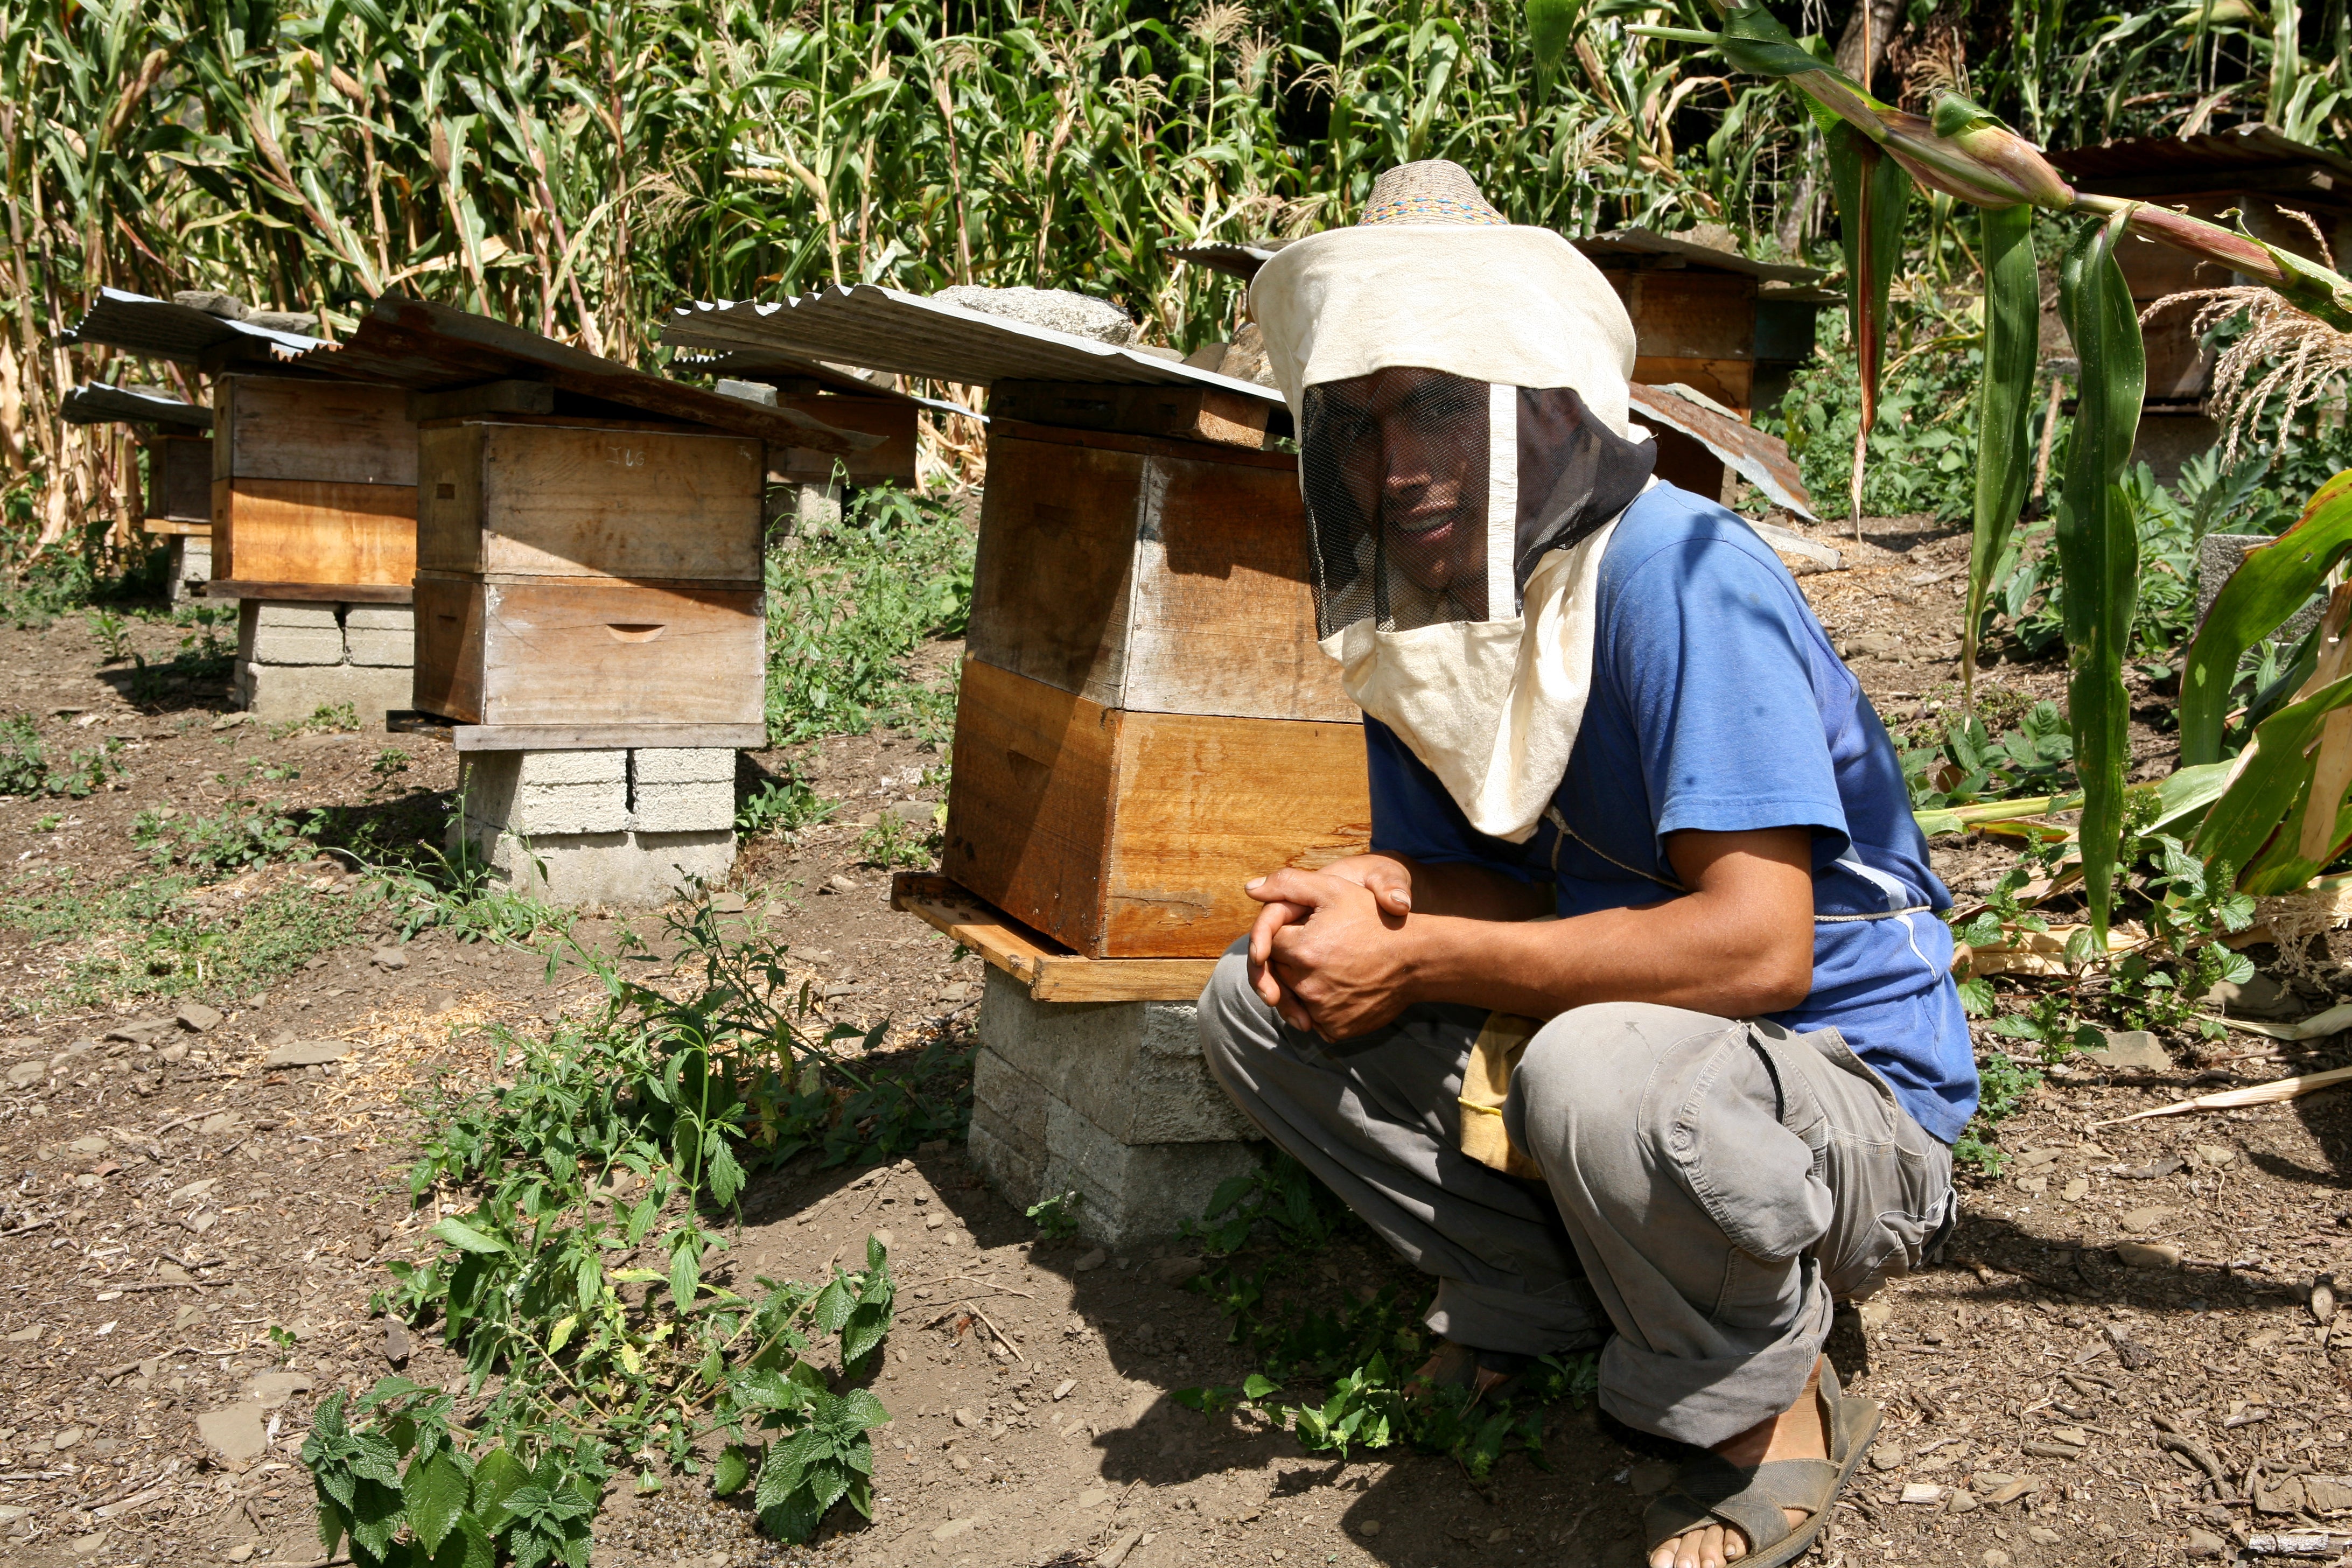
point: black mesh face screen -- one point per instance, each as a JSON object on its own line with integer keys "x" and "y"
{"x": 1394, "y": 466}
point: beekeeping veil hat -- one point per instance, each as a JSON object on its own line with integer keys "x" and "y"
{"x": 1459, "y": 384}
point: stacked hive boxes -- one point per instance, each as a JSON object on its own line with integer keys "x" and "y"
{"x": 314, "y": 533}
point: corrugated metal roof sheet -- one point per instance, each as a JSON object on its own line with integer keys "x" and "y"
{"x": 162, "y": 329}
{"x": 100, "y": 403}
{"x": 1241, "y": 261}
{"x": 1762, "y": 461}
{"x": 766, "y": 364}
{"x": 908, "y": 334}
{"x": 2241, "y": 150}
{"x": 426, "y": 347}
{"x": 1643, "y": 242}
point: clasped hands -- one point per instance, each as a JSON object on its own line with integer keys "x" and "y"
{"x": 1329, "y": 951}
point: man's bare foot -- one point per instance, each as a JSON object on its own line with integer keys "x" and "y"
{"x": 1800, "y": 1432}
{"x": 1456, "y": 1366}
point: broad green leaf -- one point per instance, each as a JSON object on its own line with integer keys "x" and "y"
{"x": 2098, "y": 543}
{"x": 726, "y": 1174}
{"x": 2270, "y": 585}
{"x": 497, "y": 1475}
{"x": 2004, "y": 406}
{"x": 858, "y": 1411}
{"x": 685, "y": 1274}
{"x": 1257, "y": 1386}
{"x": 2240, "y": 826}
{"x": 834, "y": 1305}
{"x": 436, "y": 1492}
{"x": 2185, "y": 792}
{"x": 465, "y": 1238}
{"x": 561, "y": 1334}
{"x": 733, "y": 1468}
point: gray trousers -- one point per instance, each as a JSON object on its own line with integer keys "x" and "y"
{"x": 1710, "y": 1187}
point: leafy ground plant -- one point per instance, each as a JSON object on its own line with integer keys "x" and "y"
{"x": 1338, "y": 1379}
{"x": 585, "y": 1280}
{"x": 782, "y": 806}
{"x": 893, "y": 842}
{"x": 28, "y": 767}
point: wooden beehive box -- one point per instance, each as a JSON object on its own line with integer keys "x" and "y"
{"x": 179, "y": 484}
{"x": 1145, "y": 720}
{"x": 314, "y": 487}
{"x": 892, "y": 418}
{"x": 597, "y": 577}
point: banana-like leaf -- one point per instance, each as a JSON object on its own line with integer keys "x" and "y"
{"x": 2272, "y": 584}
{"x": 2004, "y": 407}
{"x": 2098, "y": 543}
{"x": 1871, "y": 191}
{"x": 2257, "y": 822}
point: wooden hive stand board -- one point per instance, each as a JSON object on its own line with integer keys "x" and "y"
{"x": 588, "y": 499}
{"x": 1051, "y": 973}
{"x": 521, "y": 651}
{"x": 314, "y": 481}
{"x": 1151, "y": 575}
{"x": 1130, "y": 834}
{"x": 892, "y": 418}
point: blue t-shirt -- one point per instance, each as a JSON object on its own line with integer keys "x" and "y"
{"x": 1718, "y": 704}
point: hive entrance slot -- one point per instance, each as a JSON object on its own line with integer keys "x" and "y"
{"x": 629, "y": 632}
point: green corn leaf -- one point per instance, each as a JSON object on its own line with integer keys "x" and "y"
{"x": 2273, "y": 582}
{"x": 2004, "y": 407}
{"x": 2098, "y": 542}
{"x": 1551, "y": 27}
{"x": 2262, "y": 808}
{"x": 1871, "y": 192}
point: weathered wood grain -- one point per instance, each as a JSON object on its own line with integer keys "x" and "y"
{"x": 1203, "y": 803}
{"x": 605, "y": 737}
{"x": 583, "y": 651}
{"x": 1730, "y": 382}
{"x": 892, "y": 418}
{"x": 337, "y": 432}
{"x": 312, "y": 593}
{"x": 588, "y": 500}
{"x": 297, "y": 530}
{"x": 179, "y": 481}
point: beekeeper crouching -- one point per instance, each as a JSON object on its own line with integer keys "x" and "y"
{"x": 1635, "y": 1028}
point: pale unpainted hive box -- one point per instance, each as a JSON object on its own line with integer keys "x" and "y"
{"x": 313, "y": 482}
{"x": 585, "y": 572}
{"x": 1145, "y": 719}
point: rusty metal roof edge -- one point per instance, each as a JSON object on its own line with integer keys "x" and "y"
{"x": 693, "y": 325}
{"x": 101, "y": 402}
{"x": 1761, "y": 459}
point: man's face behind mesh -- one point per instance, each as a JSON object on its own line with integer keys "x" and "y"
{"x": 1406, "y": 451}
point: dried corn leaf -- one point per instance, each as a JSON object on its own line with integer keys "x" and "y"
{"x": 2255, "y": 1094}
{"x": 2036, "y": 951}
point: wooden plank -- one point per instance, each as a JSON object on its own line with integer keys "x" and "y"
{"x": 1204, "y": 805}
{"x": 1035, "y": 960}
{"x": 335, "y": 432}
{"x": 1688, "y": 312}
{"x": 180, "y": 480}
{"x": 605, "y": 737}
{"x": 1051, "y": 578}
{"x": 295, "y": 531}
{"x": 1029, "y": 810}
{"x": 589, "y": 500}
{"x": 1148, "y": 445}
{"x": 570, "y": 650}
{"x": 1185, "y": 412}
{"x": 448, "y": 677}
{"x": 168, "y": 525}
{"x": 312, "y": 593}
{"x": 489, "y": 397}
{"x": 892, "y": 418}
{"x": 1222, "y": 620}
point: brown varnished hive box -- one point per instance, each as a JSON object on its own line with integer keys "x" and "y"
{"x": 576, "y": 571}
{"x": 314, "y": 485}
{"x": 1145, "y": 720}
{"x": 179, "y": 484}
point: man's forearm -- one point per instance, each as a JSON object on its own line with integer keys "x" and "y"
{"x": 1680, "y": 954}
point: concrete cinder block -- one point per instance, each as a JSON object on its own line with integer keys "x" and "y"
{"x": 682, "y": 807}
{"x": 1133, "y": 1068}
{"x": 188, "y": 564}
{"x": 299, "y": 644}
{"x": 380, "y": 634}
{"x": 570, "y": 767}
{"x": 1014, "y": 1168}
{"x": 683, "y": 764}
{"x": 1133, "y": 1192}
{"x": 278, "y": 693}
{"x": 543, "y": 793}
{"x": 624, "y": 869}
{"x": 542, "y": 809}
{"x": 294, "y": 615}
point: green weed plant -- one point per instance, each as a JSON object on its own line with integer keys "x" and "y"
{"x": 28, "y": 767}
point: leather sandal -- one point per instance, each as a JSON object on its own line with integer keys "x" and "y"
{"x": 1488, "y": 1374}
{"x": 1749, "y": 1499}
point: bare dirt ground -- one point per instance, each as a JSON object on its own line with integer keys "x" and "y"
{"x": 189, "y": 1236}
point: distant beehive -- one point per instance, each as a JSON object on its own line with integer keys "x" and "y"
{"x": 590, "y": 573}
{"x": 179, "y": 484}
{"x": 314, "y": 487}
{"x": 1145, "y": 720}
